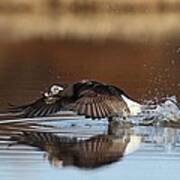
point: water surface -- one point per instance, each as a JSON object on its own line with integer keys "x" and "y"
{"x": 145, "y": 70}
{"x": 138, "y": 152}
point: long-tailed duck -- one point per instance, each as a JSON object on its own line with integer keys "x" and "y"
{"x": 89, "y": 98}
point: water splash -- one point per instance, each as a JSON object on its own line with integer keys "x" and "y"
{"x": 165, "y": 110}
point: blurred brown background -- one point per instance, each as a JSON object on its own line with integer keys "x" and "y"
{"x": 132, "y": 44}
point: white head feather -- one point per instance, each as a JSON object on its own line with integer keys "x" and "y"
{"x": 55, "y": 89}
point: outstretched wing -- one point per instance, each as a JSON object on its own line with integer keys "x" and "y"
{"x": 100, "y": 102}
{"x": 41, "y": 107}
{"x": 93, "y": 100}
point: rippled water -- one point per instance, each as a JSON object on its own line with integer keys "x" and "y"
{"x": 74, "y": 148}
{"x": 71, "y": 147}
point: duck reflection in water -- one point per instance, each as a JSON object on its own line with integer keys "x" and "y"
{"x": 94, "y": 152}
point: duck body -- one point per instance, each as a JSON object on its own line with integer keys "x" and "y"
{"x": 92, "y": 99}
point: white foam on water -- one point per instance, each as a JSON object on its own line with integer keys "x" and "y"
{"x": 168, "y": 110}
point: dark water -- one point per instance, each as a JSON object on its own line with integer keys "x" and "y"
{"x": 145, "y": 70}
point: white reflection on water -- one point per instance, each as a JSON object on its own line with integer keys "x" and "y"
{"x": 150, "y": 152}
{"x": 156, "y": 156}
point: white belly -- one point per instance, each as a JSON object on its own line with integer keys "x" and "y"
{"x": 133, "y": 106}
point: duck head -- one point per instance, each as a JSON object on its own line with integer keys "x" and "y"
{"x": 53, "y": 90}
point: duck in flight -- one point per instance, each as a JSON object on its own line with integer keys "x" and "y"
{"x": 92, "y": 99}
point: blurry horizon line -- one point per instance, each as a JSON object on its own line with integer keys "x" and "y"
{"x": 90, "y": 20}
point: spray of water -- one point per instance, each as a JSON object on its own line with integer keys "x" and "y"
{"x": 166, "y": 110}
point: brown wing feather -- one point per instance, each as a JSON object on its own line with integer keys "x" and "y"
{"x": 102, "y": 110}
{"x": 94, "y": 109}
{"x": 98, "y": 111}
{"x": 42, "y": 107}
{"x": 99, "y": 106}
{"x": 88, "y": 110}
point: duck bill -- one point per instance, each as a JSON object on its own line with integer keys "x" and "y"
{"x": 48, "y": 94}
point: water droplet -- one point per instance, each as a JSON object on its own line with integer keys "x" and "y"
{"x": 172, "y": 61}
{"x": 178, "y": 51}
